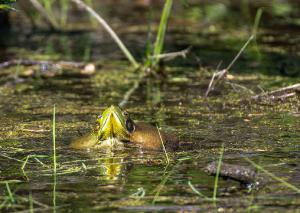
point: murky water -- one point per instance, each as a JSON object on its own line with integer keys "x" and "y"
{"x": 131, "y": 180}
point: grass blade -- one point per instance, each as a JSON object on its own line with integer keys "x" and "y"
{"x": 163, "y": 145}
{"x": 218, "y": 174}
{"x": 196, "y": 191}
{"x": 258, "y": 167}
{"x": 10, "y": 195}
{"x": 109, "y": 30}
{"x": 54, "y": 142}
{"x": 158, "y": 47}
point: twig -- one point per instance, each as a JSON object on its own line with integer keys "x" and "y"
{"x": 114, "y": 36}
{"x": 172, "y": 55}
{"x": 278, "y": 94}
{"x": 51, "y": 21}
{"x": 221, "y": 74}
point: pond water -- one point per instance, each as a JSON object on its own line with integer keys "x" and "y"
{"x": 268, "y": 133}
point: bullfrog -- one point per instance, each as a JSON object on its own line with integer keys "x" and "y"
{"x": 114, "y": 128}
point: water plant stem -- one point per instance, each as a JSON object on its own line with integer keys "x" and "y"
{"x": 54, "y": 142}
{"x": 197, "y": 191}
{"x": 10, "y": 195}
{"x": 260, "y": 168}
{"x": 218, "y": 174}
{"x": 30, "y": 203}
{"x": 257, "y": 21}
{"x": 163, "y": 145}
{"x": 109, "y": 30}
{"x": 158, "y": 46}
{"x": 48, "y": 17}
{"x": 54, "y": 160}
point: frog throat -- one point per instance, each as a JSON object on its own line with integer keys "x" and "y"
{"x": 112, "y": 124}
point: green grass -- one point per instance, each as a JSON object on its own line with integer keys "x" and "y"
{"x": 152, "y": 59}
{"x": 10, "y": 195}
{"x": 255, "y": 30}
{"x": 165, "y": 179}
{"x": 49, "y": 9}
{"x": 54, "y": 159}
{"x": 54, "y": 142}
{"x": 197, "y": 191}
{"x": 160, "y": 38}
{"x": 9, "y": 198}
{"x": 257, "y": 21}
{"x": 216, "y": 181}
{"x": 30, "y": 203}
{"x": 163, "y": 145}
{"x": 7, "y": 4}
{"x": 110, "y": 31}
{"x": 285, "y": 183}
{"x": 64, "y": 8}
{"x": 218, "y": 174}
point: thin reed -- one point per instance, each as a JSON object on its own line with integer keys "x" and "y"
{"x": 285, "y": 183}
{"x": 218, "y": 174}
{"x": 54, "y": 141}
{"x": 160, "y": 38}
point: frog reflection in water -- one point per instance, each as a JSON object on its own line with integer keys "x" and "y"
{"x": 115, "y": 126}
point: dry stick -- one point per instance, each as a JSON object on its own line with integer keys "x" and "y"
{"x": 172, "y": 55}
{"x": 109, "y": 30}
{"x": 221, "y": 74}
{"x": 43, "y": 12}
{"x": 288, "y": 89}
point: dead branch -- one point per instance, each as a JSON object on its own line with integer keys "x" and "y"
{"x": 279, "y": 94}
{"x": 172, "y": 55}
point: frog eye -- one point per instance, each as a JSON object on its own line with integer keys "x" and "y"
{"x": 125, "y": 113}
{"x": 129, "y": 125}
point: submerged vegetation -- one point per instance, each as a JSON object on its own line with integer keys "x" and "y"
{"x": 56, "y": 78}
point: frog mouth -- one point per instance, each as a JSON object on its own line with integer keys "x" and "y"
{"x": 113, "y": 126}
